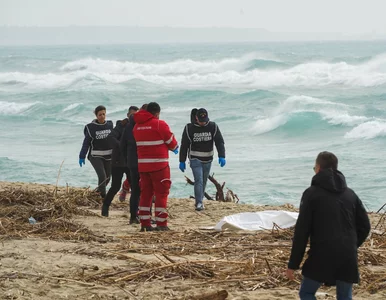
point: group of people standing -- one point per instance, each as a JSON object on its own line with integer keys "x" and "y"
{"x": 139, "y": 146}
{"x": 331, "y": 215}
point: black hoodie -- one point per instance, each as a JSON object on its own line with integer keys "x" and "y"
{"x": 128, "y": 145}
{"x": 334, "y": 219}
{"x": 118, "y": 158}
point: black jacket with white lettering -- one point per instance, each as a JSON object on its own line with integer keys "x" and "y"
{"x": 197, "y": 142}
{"x": 95, "y": 140}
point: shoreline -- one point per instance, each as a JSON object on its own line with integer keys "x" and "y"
{"x": 187, "y": 263}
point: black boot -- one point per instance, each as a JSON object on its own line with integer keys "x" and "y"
{"x": 146, "y": 228}
{"x": 134, "y": 220}
{"x": 105, "y": 211}
{"x": 162, "y": 228}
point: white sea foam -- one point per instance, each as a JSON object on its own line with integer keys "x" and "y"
{"x": 13, "y": 108}
{"x": 268, "y": 124}
{"x": 225, "y": 73}
{"x": 49, "y": 80}
{"x": 333, "y": 113}
{"x": 72, "y": 106}
{"x": 368, "y": 130}
{"x": 231, "y": 71}
{"x": 173, "y": 109}
{"x": 181, "y": 66}
{"x": 342, "y": 118}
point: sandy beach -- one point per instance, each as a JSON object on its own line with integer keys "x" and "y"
{"x": 113, "y": 260}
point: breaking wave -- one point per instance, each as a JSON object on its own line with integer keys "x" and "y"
{"x": 304, "y": 111}
{"x": 13, "y": 108}
{"x": 245, "y": 72}
{"x": 368, "y": 130}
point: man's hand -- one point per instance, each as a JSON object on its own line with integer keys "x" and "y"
{"x": 182, "y": 166}
{"x": 81, "y": 162}
{"x": 175, "y": 151}
{"x": 290, "y": 274}
{"x": 221, "y": 161}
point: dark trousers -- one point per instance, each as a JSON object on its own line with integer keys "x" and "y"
{"x": 135, "y": 192}
{"x": 116, "y": 181}
{"x": 103, "y": 169}
{"x": 309, "y": 288}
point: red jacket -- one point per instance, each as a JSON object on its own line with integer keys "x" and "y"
{"x": 154, "y": 140}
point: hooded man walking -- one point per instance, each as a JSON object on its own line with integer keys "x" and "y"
{"x": 197, "y": 142}
{"x": 153, "y": 140}
{"x": 334, "y": 219}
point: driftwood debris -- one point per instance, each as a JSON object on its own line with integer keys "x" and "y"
{"x": 53, "y": 211}
{"x": 383, "y": 207}
{"x": 229, "y": 196}
{"x": 231, "y": 260}
{"x": 189, "y": 181}
{"x": 220, "y": 295}
{"x": 219, "y": 188}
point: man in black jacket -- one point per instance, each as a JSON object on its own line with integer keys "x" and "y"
{"x": 118, "y": 161}
{"x": 129, "y": 148}
{"x": 334, "y": 219}
{"x": 197, "y": 143}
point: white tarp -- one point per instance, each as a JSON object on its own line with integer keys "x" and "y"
{"x": 258, "y": 220}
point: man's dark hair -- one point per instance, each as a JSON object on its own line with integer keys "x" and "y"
{"x": 144, "y": 106}
{"x": 327, "y": 160}
{"x": 153, "y": 108}
{"x": 135, "y": 108}
{"x": 98, "y": 109}
{"x": 193, "y": 115}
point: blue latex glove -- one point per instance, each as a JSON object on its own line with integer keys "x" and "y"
{"x": 222, "y": 161}
{"x": 81, "y": 162}
{"x": 182, "y": 166}
{"x": 175, "y": 151}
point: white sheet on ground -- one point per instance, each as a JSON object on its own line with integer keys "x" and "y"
{"x": 258, "y": 220}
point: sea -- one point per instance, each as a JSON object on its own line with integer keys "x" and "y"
{"x": 277, "y": 105}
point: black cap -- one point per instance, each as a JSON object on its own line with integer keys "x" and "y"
{"x": 202, "y": 115}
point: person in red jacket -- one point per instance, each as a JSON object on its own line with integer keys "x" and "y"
{"x": 154, "y": 140}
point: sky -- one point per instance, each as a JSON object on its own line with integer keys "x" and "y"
{"x": 343, "y": 16}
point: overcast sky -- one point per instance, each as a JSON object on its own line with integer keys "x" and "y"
{"x": 343, "y": 16}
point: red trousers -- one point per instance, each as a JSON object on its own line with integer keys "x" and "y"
{"x": 158, "y": 184}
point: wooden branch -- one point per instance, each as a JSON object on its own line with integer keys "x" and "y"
{"x": 220, "y": 295}
{"x": 176, "y": 264}
{"x": 191, "y": 182}
{"x": 131, "y": 276}
{"x": 128, "y": 292}
{"x": 208, "y": 197}
{"x": 237, "y": 197}
{"x": 269, "y": 267}
{"x": 381, "y": 208}
{"x": 53, "y": 277}
{"x": 240, "y": 279}
{"x": 57, "y": 180}
{"x": 220, "y": 192}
